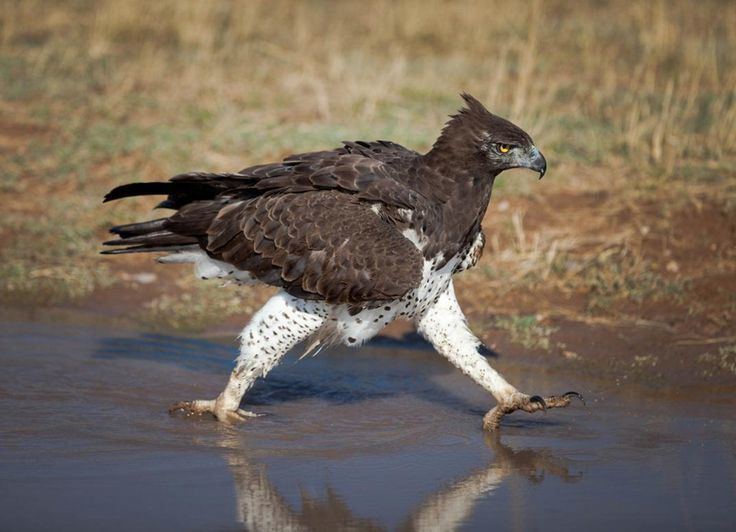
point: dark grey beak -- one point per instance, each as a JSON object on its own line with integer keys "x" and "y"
{"x": 537, "y": 162}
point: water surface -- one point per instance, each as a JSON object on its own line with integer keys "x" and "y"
{"x": 383, "y": 438}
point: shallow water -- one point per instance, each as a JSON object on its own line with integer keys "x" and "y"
{"x": 385, "y": 437}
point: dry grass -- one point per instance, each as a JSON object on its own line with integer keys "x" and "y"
{"x": 605, "y": 264}
{"x": 99, "y": 93}
{"x": 725, "y": 360}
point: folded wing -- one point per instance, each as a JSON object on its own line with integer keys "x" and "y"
{"x": 308, "y": 224}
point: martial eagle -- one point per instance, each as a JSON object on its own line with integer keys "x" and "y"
{"x": 354, "y": 238}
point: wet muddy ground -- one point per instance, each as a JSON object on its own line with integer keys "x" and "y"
{"x": 382, "y": 438}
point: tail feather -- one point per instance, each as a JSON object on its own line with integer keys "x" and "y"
{"x": 148, "y": 249}
{"x": 181, "y": 188}
{"x": 139, "y": 189}
{"x": 138, "y": 228}
{"x": 175, "y": 233}
{"x": 159, "y": 238}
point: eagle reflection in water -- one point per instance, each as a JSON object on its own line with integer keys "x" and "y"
{"x": 260, "y": 506}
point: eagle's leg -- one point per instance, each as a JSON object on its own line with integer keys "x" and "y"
{"x": 444, "y": 325}
{"x": 282, "y": 323}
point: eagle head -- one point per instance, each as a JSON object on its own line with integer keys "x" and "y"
{"x": 494, "y": 143}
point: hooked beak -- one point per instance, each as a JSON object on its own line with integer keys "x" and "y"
{"x": 536, "y": 162}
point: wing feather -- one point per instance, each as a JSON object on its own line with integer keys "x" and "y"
{"x": 305, "y": 224}
{"x": 329, "y": 246}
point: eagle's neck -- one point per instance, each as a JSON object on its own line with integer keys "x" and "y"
{"x": 460, "y": 186}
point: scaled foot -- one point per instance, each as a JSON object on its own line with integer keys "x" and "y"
{"x": 212, "y": 407}
{"x": 531, "y": 404}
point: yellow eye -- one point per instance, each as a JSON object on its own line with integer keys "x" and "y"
{"x": 504, "y": 148}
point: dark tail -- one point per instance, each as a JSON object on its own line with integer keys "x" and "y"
{"x": 181, "y": 189}
{"x": 192, "y": 195}
{"x": 147, "y": 237}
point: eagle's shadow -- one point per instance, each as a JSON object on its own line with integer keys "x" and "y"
{"x": 340, "y": 376}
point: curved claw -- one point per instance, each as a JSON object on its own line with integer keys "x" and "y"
{"x": 540, "y": 400}
{"x": 576, "y": 395}
{"x": 245, "y": 414}
{"x": 492, "y": 420}
{"x": 181, "y": 406}
{"x": 198, "y": 408}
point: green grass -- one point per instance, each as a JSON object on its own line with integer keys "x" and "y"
{"x": 23, "y": 283}
{"x": 203, "y": 306}
{"x": 527, "y": 331}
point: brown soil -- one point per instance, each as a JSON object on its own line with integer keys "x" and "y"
{"x": 659, "y": 339}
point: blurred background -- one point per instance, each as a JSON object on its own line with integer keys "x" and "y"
{"x": 627, "y": 246}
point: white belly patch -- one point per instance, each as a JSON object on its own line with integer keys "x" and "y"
{"x": 343, "y": 327}
{"x": 356, "y": 329}
{"x": 205, "y": 267}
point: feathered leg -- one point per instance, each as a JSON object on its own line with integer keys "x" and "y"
{"x": 283, "y": 322}
{"x": 444, "y": 325}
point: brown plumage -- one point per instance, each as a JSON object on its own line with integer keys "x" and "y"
{"x": 331, "y": 225}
